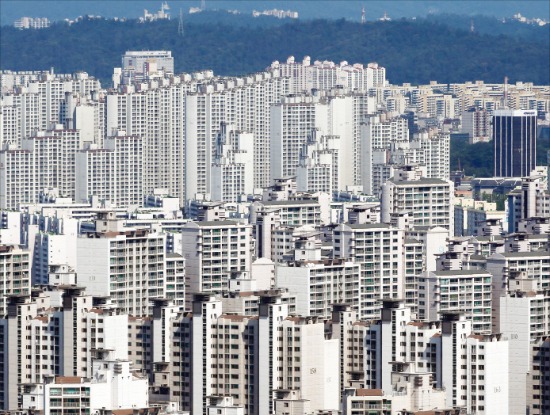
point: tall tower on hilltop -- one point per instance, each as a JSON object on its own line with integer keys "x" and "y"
{"x": 514, "y": 142}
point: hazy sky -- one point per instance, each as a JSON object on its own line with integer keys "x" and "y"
{"x": 59, "y": 10}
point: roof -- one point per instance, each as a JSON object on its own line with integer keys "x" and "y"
{"x": 495, "y": 238}
{"x": 460, "y": 272}
{"x": 68, "y": 379}
{"x": 237, "y": 317}
{"x": 422, "y": 181}
{"x": 543, "y": 254}
{"x": 217, "y": 223}
{"x": 290, "y": 202}
{"x": 263, "y": 261}
{"x": 369, "y": 392}
{"x": 369, "y": 225}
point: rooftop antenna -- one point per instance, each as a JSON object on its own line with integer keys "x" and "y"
{"x": 363, "y": 16}
{"x": 472, "y": 28}
{"x": 180, "y": 24}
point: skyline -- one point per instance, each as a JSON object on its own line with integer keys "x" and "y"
{"x": 240, "y": 216}
{"x": 350, "y": 10}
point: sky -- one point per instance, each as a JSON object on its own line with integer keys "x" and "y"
{"x": 11, "y": 10}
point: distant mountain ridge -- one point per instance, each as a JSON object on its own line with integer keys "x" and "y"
{"x": 396, "y": 9}
{"x": 412, "y": 51}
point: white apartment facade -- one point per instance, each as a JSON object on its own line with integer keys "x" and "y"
{"x": 213, "y": 251}
{"x": 453, "y": 291}
{"x": 128, "y": 264}
{"x": 233, "y": 166}
{"x": 429, "y": 200}
{"x": 379, "y": 249}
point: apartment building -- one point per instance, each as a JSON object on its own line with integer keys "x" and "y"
{"x": 470, "y": 215}
{"x": 213, "y": 252}
{"x": 434, "y": 148}
{"x": 243, "y": 102}
{"x": 428, "y": 200}
{"x": 61, "y": 329}
{"x": 306, "y": 75}
{"x": 45, "y": 160}
{"x": 15, "y": 275}
{"x": 538, "y": 381}
{"x": 291, "y": 122}
{"x": 407, "y": 386}
{"x": 113, "y": 173}
{"x": 317, "y": 282}
{"x": 254, "y": 358}
{"x": 379, "y": 249}
{"x": 319, "y": 166}
{"x": 504, "y": 266}
{"x": 233, "y": 165}
{"x": 112, "y": 386}
{"x": 531, "y": 200}
{"x": 17, "y": 178}
{"x": 31, "y": 23}
{"x": 471, "y": 369}
{"x": 468, "y": 291}
{"x": 130, "y": 265}
{"x": 52, "y": 242}
{"x": 38, "y": 98}
{"x": 476, "y": 122}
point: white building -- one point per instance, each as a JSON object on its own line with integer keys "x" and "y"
{"x": 379, "y": 249}
{"x": 411, "y": 392}
{"x": 292, "y": 122}
{"x": 138, "y": 65}
{"x": 306, "y": 76}
{"x": 31, "y": 23}
{"x": 531, "y": 200}
{"x": 319, "y": 168}
{"x": 233, "y": 166}
{"x": 457, "y": 359}
{"x": 318, "y": 283}
{"x": 53, "y": 242}
{"x": 67, "y": 324}
{"x": 476, "y": 122}
{"x": 213, "y": 252}
{"x": 468, "y": 291}
{"x": 113, "y": 173}
{"x": 112, "y": 386}
{"x": 14, "y": 273}
{"x": 130, "y": 265}
{"x": 430, "y": 201}
{"x": 242, "y": 355}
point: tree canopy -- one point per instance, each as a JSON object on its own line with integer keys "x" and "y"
{"x": 412, "y": 51}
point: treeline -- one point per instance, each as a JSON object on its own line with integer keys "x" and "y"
{"x": 493, "y": 26}
{"x": 477, "y": 159}
{"x": 412, "y": 51}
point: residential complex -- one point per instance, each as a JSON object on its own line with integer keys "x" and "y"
{"x": 288, "y": 242}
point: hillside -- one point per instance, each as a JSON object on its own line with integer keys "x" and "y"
{"x": 412, "y": 51}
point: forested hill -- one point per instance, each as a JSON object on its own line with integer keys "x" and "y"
{"x": 412, "y": 51}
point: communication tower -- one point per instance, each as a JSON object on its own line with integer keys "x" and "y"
{"x": 180, "y": 24}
